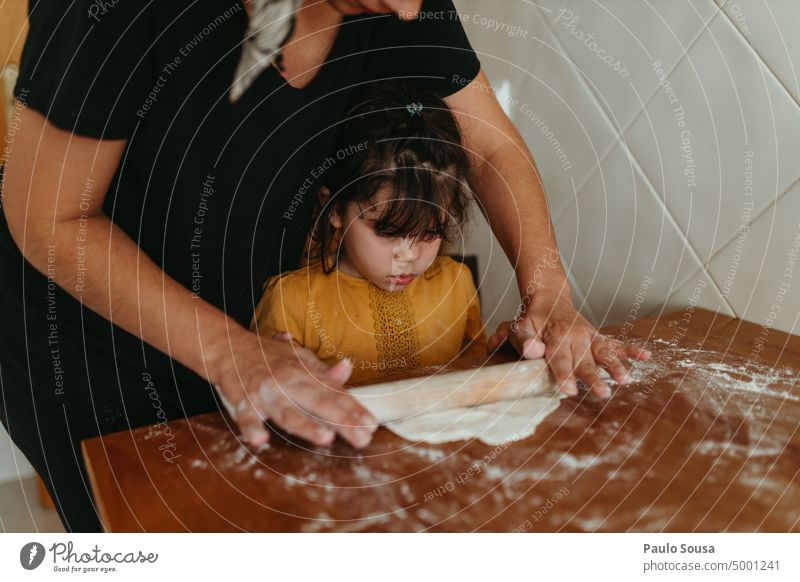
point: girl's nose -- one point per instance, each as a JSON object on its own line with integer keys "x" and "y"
{"x": 404, "y": 250}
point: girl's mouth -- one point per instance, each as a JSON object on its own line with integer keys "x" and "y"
{"x": 402, "y": 279}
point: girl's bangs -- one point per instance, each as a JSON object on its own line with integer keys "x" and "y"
{"x": 421, "y": 204}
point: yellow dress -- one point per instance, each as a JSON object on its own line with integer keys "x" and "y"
{"x": 382, "y": 332}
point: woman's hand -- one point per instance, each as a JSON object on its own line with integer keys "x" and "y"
{"x": 261, "y": 379}
{"x": 572, "y": 347}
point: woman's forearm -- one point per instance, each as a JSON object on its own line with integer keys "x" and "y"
{"x": 513, "y": 199}
{"x": 504, "y": 178}
{"x": 54, "y": 185}
{"x": 98, "y": 264}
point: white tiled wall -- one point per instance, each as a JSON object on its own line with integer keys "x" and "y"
{"x": 680, "y": 124}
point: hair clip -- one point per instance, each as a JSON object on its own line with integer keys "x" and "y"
{"x": 414, "y": 108}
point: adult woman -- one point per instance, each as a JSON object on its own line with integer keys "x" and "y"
{"x": 150, "y": 203}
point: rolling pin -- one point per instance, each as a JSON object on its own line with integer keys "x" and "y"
{"x": 402, "y": 399}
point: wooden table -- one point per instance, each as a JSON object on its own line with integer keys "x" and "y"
{"x": 706, "y": 440}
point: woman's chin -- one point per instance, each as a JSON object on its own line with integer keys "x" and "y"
{"x": 347, "y": 7}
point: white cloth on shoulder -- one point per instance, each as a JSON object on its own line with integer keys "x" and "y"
{"x": 270, "y": 24}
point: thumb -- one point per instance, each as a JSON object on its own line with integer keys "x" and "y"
{"x": 283, "y": 336}
{"x": 340, "y": 373}
{"x": 527, "y": 340}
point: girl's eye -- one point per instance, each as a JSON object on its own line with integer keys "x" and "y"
{"x": 429, "y": 236}
{"x": 372, "y": 224}
{"x": 383, "y": 234}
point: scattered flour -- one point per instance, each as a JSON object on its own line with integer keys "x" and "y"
{"x": 716, "y": 371}
{"x": 716, "y": 448}
{"x": 432, "y": 455}
{"x": 578, "y": 463}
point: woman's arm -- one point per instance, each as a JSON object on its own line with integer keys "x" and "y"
{"x": 54, "y": 186}
{"x": 505, "y": 179}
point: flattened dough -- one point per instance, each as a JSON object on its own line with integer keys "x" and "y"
{"x": 493, "y": 424}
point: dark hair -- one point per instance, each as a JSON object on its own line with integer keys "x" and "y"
{"x": 408, "y": 139}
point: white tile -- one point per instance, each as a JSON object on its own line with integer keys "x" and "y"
{"x": 507, "y": 71}
{"x": 630, "y": 36}
{"x": 755, "y": 270}
{"x": 699, "y": 291}
{"x": 618, "y": 238}
{"x": 732, "y": 106}
{"x": 509, "y": 38}
{"x": 579, "y": 300}
{"x": 497, "y": 281}
{"x": 563, "y": 125}
{"x": 771, "y": 28}
{"x": 543, "y": 94}
{"x": 503, "y": 31}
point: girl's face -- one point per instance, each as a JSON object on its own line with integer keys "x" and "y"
{"x": 390, "y": 263}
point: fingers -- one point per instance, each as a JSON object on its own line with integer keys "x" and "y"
{"x": 586, "y": 369}
{"x": 251, "y": 424}
{"x": 341, "y": 412}
{"x": 305, "y": 417}
{"x": 612, "y": 355}
{"x": 321, "y": 398}
{"x": 296, "y": 422}
{"x": 607, "y": 354}
{"x": 637, "y": 353}
{"x": 292, "y": 388}
{"x": 225, "y": 402}
{"x": 570, "y": 357}
{"x": 560, "y": 362}
{"x": 578, "y": 353}
{"x": 317, "y": 390}
{"x": 499, "y": 337}
{"x": 285, "y": 415}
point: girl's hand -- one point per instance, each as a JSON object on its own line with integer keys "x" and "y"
{"x": 261, "y": 379}
{"x": 572, "y": 347}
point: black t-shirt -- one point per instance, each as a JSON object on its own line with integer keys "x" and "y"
{"x": 217, "y": 194}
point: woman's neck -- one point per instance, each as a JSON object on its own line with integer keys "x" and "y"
{"x": 315, "y": 29}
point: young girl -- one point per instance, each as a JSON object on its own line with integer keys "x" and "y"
{"x": 378, "y": 289}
